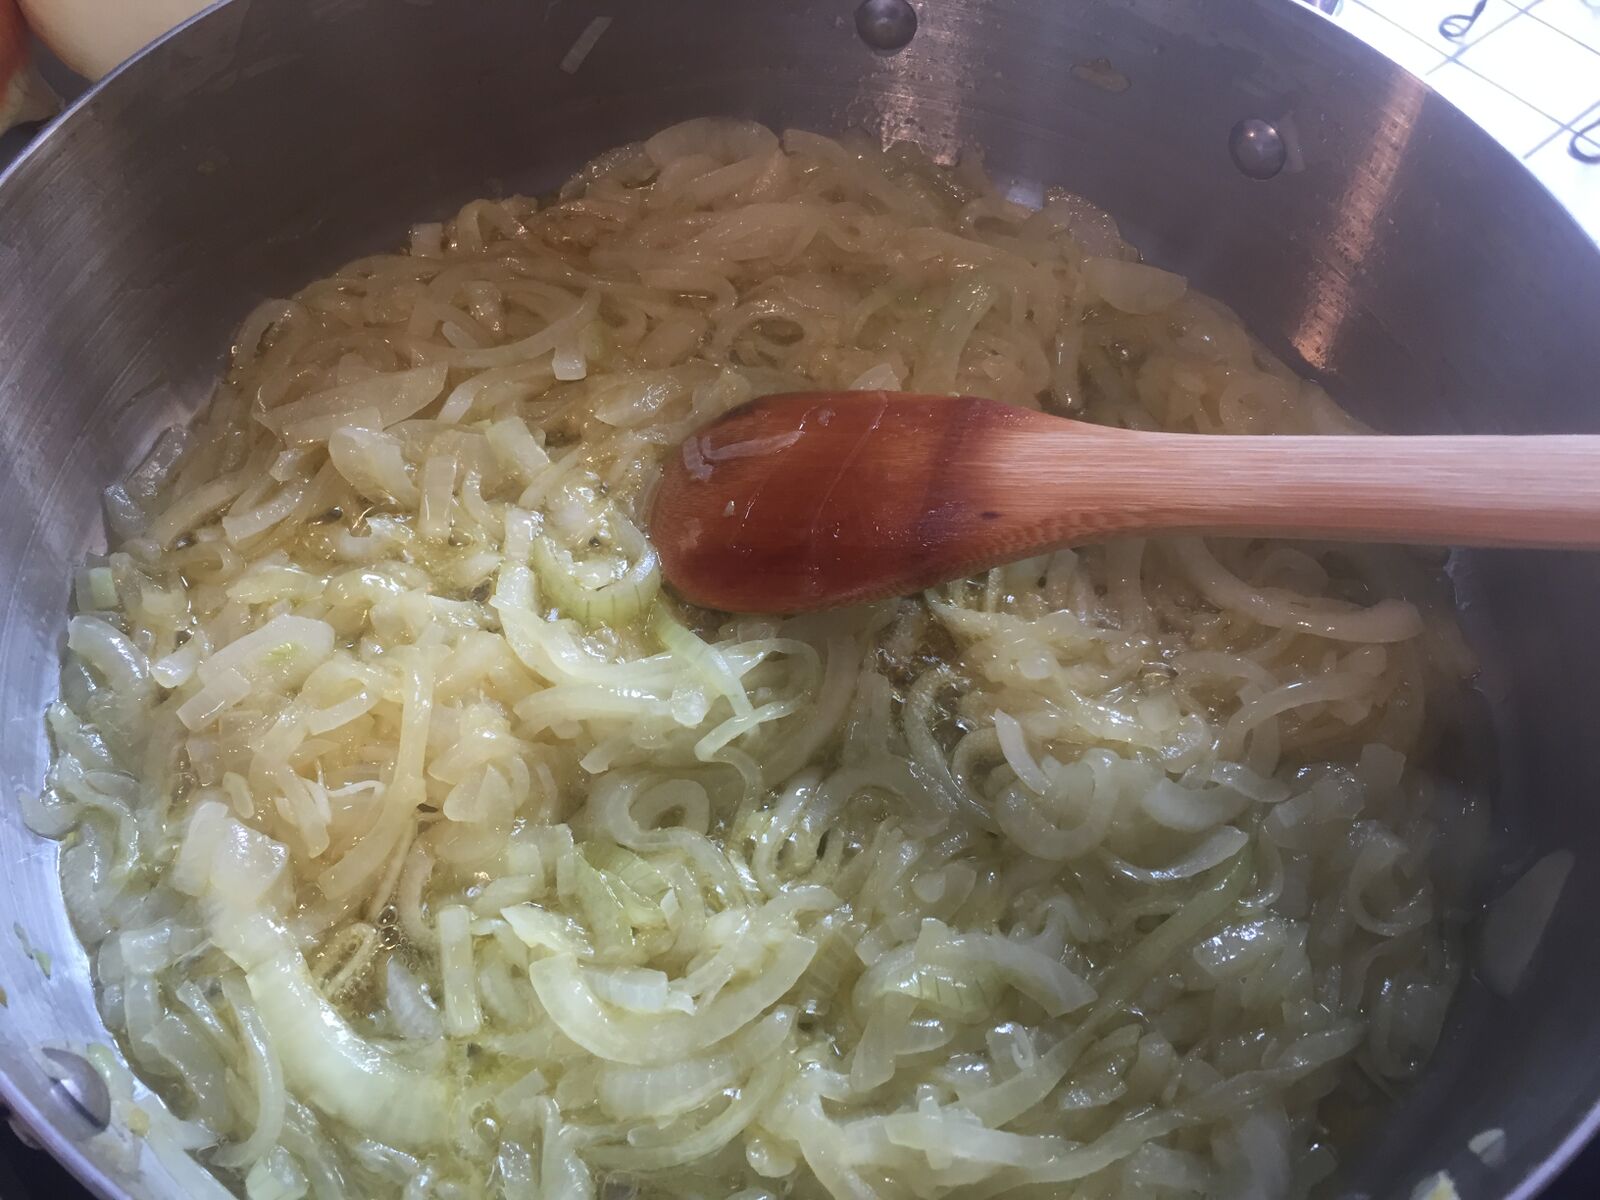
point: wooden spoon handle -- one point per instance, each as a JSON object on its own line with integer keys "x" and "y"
{"x": 1471, "y": 490}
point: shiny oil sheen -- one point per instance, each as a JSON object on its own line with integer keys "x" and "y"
{"x": 1398, "y": 256}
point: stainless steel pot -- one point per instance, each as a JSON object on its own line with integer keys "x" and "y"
{"x": 1397, "y": 255}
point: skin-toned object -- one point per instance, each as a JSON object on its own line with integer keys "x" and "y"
{"x": 92, "y": 36}
{"x": 23, "y": 95}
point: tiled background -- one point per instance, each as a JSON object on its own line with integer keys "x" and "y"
{"x": 1528, "y": 71}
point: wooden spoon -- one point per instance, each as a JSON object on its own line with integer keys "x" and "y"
{"x": 816, "y": 499}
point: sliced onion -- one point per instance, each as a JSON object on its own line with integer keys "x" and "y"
{"x": 645, "y": 1041}
{"x": 1133, "y": 287}
{"x": 1515, "y": 923}
{"x": 618, "y": 602}
{"x": 393, "y": 397}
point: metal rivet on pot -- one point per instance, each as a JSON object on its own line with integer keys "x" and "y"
{"x": 1257, "y": 148}
{"x": 20, "y": 1131}
{"x": 78, "y": 1088}
{"x": 886, "y": 24}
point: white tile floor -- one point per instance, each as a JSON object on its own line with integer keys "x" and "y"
{"x": 1528, "y": 71}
